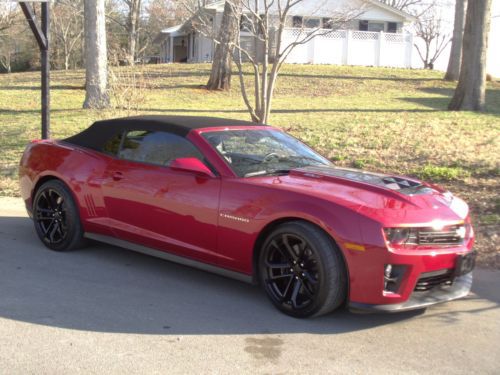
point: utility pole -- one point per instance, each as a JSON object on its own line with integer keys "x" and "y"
{"x": 41, "y": 33}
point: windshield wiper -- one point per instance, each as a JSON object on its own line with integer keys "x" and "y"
{"x": 268, "y": 172}
{"x": 307, "y": 158}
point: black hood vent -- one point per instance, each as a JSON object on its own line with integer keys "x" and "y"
{"x": 399, "y": 184}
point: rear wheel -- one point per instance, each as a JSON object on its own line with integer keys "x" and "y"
{"x": 302, "y": 270}
{"x": 56, "y": 217}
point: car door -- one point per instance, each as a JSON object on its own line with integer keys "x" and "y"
{"x": 151, "y": 204}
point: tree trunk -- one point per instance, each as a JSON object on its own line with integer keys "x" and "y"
{"x": 471, "y": 88}
{"x": 132, "y": 27}
{"x": 66, "y": 56}
{"x": 131, "y": 47}
{"x": 220, "y": 77}
{"x": 96, "y": 74}
{"x": 453, "y": 71}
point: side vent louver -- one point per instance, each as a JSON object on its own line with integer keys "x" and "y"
{"x": 89, "y": 202}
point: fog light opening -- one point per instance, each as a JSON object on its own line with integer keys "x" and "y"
{"x": 392, "y": 277}
{"x": 388, "y": 271}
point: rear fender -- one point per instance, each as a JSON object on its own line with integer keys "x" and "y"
{"x": 81, "y": 170}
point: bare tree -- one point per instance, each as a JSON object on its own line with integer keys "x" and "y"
{"x": 404, "y": 5}
{"x": 7, "y": 50}
{"x": 220, "y": 77}
{"x": 162, "y": 14}
{"x": 116, "y": 38}
{"x": 268, "y": 25}
{"x": 95, "y": 55}
{"x": 453, "y": 71}
{"x": 429, "y": 27}
{"x": 8, "y": 15}
{"x": 416, "y": 8}
{"x": 263, "y": 48}
{"x": 132, "y": 27}
{"x": 67, "y": 28}
{"x": 471, "y": 89}
{"x": 157, "y": 15}
{"x": 126, "y": 14}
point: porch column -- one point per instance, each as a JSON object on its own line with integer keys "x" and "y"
{"x": 171, "y": 49}
{"x": 191, "y": 47}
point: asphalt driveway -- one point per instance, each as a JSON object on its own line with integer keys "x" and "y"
{"x": 107, "y": 310}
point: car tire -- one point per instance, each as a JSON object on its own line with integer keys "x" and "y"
{"x": 56, "y": 217}
{"x": 302, "y": 270}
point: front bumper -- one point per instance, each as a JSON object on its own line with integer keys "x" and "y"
{"x": 419, "y": 300}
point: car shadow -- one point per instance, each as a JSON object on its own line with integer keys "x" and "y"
{"x": 108, "y": 289}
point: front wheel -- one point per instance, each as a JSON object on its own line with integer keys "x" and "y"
{"x": 302, "y": 270}
{"x": 56, "y": 217}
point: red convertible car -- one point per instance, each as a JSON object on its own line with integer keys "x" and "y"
{"x": 253, "y": 203}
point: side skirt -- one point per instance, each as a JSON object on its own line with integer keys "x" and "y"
{"x": 170, "y": 257}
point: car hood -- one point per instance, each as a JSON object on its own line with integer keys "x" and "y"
{"x": 385, "y": 198}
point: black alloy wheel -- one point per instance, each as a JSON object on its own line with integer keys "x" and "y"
{"x": 51, "y": 216}
{"x": 56, "y": 217}
{"x": 302, "y": 270}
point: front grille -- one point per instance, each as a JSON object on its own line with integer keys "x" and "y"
{"x": 452, "y": 235}
{"x": 434, "y": 279}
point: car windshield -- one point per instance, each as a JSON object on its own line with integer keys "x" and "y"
{"x": 262, "y": 152}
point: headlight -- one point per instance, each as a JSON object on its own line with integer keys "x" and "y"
{"x": 398, "y": 236}
{"x": 450, "y": 235}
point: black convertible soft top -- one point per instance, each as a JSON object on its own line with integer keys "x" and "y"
{"x": 100, "y": 132}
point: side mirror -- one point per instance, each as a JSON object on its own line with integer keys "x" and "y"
{"x": 191, "y": 165}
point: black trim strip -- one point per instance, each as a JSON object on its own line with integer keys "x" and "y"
{"x": 420, "y": 300}
{"x": 170, "y": 257}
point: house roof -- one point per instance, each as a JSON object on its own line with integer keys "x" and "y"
{"x": 171, "y": 30}
{"x": 216, "y": 5}
{"x": 407, "y": 16}
{"x": 100, "y": 132}
{"x": 219, "y": 5}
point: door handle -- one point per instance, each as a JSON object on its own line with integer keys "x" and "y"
{"x": 117, "y": 176}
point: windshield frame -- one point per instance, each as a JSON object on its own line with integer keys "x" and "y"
{"x": 202, "y": 132}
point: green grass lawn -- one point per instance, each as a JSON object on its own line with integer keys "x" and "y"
{"x": 389, "y": 120}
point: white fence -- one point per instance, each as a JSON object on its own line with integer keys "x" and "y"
{"x": 347, "y": 47}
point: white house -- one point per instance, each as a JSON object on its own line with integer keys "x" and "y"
{"x": 375, "y": 37}
{"x": 494, "y": 41}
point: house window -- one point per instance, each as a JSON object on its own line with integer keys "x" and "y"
{"x": 312, "y": 23}
{"x": 363, "y": 25}
{"x": 376, "y": 26}
{"x": 297, "y": 21}
{"x": 392, "y": 27}
{"x": 327, "y": 23}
